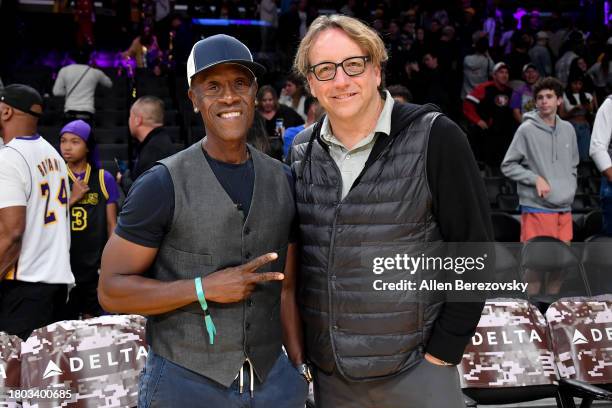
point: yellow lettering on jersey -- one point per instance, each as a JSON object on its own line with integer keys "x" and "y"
{"x": 79, "y": 218}
{"x": 90, "y": 198}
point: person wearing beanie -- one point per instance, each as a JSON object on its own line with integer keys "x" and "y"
{"x": 35, "y": 269}
{"x": 93, "y": 216}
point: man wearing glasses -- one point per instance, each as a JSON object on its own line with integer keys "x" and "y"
{"x": 376, "y": 172}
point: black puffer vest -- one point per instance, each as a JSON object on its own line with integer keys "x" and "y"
{"x": 349, "y": 326}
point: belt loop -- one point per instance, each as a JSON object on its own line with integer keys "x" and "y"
{"x": 241, "y": 379}
{"x": 251, "y": 375}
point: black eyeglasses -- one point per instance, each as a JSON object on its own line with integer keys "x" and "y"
{"x": 326, "y": 71}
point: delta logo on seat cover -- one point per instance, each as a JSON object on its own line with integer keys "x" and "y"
{"x": 579, "y": 338}
{"x": 52, "y": 370}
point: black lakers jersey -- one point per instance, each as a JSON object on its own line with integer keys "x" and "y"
{"x": 88, "y": 226}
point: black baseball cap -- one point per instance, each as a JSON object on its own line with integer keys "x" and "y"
{"x": 22, "y": 98}
{"x": 220, "y": 49}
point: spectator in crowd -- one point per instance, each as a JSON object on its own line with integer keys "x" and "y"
{"x": 579, "y": 68}
{"x": 601, "y": 152}
{"x": 487, "y": 108}
{"x": 577, "y": 107}
{"x": 540, "y": 54}
{"x": 377, "y": 192}
{"x": 477, "y": 67}
{"x": 448, "y": 52}
{"x": 195, "y": 229}
{"x": 562, "y": 67}
{"x": 400, "y": 93}
{"x": 601, "y": 72}
{"x": 400, "y": 54}
{"x": 542, "y": 159}
{"x": 522, "y": 98}
{"x": 315, "y": 112}
{"x": 519, "y": 57}
{"x": 294, "y": 95}
{"x": 276, "y": 117}
{"x": 145, "y": 51}
{"x": 85, "y": 16}
{"x": 268, "y": 12}
{"x": 93, "y": 216}
{"x": 146, "y": 124}
{"x": 34, "y": 226}
{"x": 77, "y": 84}
{"x": 434, "y": 83}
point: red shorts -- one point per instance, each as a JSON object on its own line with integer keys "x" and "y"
{"x": 556, "y": 225}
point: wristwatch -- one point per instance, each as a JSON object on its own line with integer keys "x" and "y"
{"x": 304, "y": 371}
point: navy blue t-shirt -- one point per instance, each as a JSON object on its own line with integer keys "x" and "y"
{"x": 148, "y": 210}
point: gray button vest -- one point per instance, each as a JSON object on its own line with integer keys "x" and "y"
{"x": 208, "y": 233}
{"x": 348, "y": 327}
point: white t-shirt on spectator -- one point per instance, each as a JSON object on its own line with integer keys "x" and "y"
{"x": 34, "y": 175}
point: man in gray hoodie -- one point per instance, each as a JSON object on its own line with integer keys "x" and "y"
{"x": 542, "y": 159}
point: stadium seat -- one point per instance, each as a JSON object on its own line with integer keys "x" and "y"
{"x": 505, "y": 227}
{"x": 111, "y": 118}
{"x": 10, "y": 350}
{"x": 593, "y": 223}
{"x": 51, "y": 118}
{"x": 494, "y": 186}
{"x": 597, "y": 263}
{"x": 552, "y": 270}
{"x": 579, "y": 329}
{"x": 508, "y": 359}
{"x": 111, "y": 103}
{"x": 98, "y": 359}
{"x": 111, "y": 135}
{"x": 508, "y": 203}
{"x": 112, "y": 151}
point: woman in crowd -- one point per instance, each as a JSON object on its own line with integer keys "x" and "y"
{"x": 577, "y": 108}
{"x": 276, "y": 117}
{"x": 93, "y": 216}
{"x": 293, "y": 95}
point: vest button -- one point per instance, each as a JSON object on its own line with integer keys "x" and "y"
{"x": 247, "y": 231}
{"x": 247, "y": 326}
{"x": 335, "y": 327}
{"x": 249, "y": 302}
{"x": 247, "y": 255}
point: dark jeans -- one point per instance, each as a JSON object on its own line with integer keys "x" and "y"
{"x": 606, "y": 205}
{"x": 165, "y": 384}
{"x": 424, "y": 386}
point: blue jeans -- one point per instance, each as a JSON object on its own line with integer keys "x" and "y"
{"x": 606, "y": 205}
{"x": 583, "y": 138}
{"x": 167, "y": 385}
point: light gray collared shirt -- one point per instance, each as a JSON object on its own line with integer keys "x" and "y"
{"x": 351, "y": 162}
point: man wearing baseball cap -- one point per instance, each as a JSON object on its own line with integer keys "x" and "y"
{"x": 487, "y": 108}
{"x": 202, "y": 247}
{"x": 522, "y": 98}
{"x": 34, "y": 225}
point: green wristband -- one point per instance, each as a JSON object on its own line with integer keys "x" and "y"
{"x": 210, "y": 326}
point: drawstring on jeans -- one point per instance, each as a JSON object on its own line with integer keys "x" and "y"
{"x": 252, "y": 380}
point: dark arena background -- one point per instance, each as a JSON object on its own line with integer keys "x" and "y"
{"x": 546, "y": 350}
